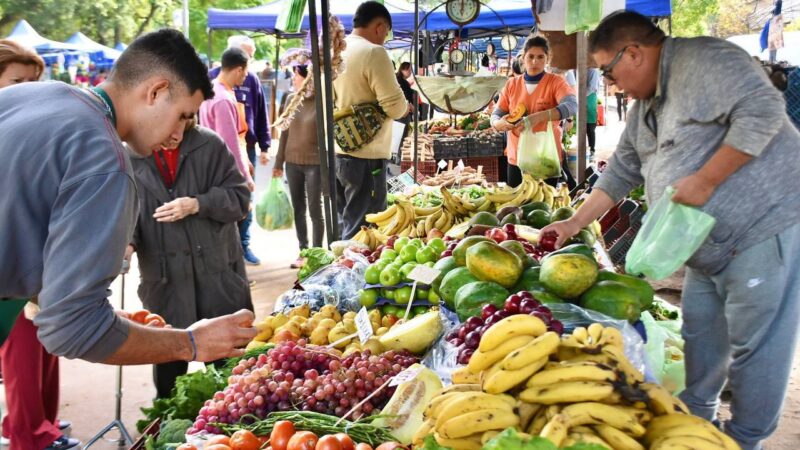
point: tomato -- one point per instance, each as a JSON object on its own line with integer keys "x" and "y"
{"x": 154, "y": 320}
{"x": 224, "y": 440}
{"x": 263, "y": 440}
{"x": 140, "y": 315}
{"x": 391, "y": 446}
{"x": 363, "y": 446}
{"x": 281, "y": 433}
{"x": 329, "y": 442}
{"x": 244, "y": 440}
{"x": 303, "y": 440}
{"x": 186, "y": 447}
{"x": 346, "y": 441}
{"x": 217, "y": 447}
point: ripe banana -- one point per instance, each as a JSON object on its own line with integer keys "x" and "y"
{"x": 594, "y": 330}
{"x": 478, "y": 422}
{"x": 687, "y": 442}
{"x": 472, "y": 442}
{"x": 501, "y": 195}
{"x": 661, "y": 401}
{"x": 463, "y": 375}
{"x": 472, "y": 401}
{"x": 617, "y": 438}
{"x": 526, "y": 411}
{"x": 538, "y": 196}
{"x": 548, "y": 195}
{"x": 568, "y": 392}
{"x": 620, "y": 417}
{"x": 457, "y": 388}
{"x": 573, "y": 372}
{"x": 616, "y": 355}
{"x": 423, "y": 431}
{"x": 499, "y": 380}
{"x": 486, "y": 205}
{"x": 539, "y": 421}
{"x": 397, "y": 223}
{"x": 421, "y": 212}
{"x": 612, "y": 336}
{"x": 585, "y": 435}
{"x": 382, "y": 216}
{"x": 541, "y": 347}
{"x": 483, "y": 360}
{"x": 431, "y": 219}
{"x": 488, "y": 435}
{"x": 516, "y": 325}
{"x": 686, "y": 425}
{"x": 556, "y": 429}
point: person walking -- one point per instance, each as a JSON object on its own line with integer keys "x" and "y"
{"x": 728, "y": 148}
{"x": 190, "y": 263}
{"x": 368, "y": 77}
{"x": 622, "y": 102}
{"x": 251, "y": 95}
{"x": 547, "y": 97}
{"x": 298, "y": 150}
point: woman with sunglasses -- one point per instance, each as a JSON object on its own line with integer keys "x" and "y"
{"x": 547, "y": 97}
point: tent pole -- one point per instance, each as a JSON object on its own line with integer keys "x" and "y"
{"x": 415, "y": 106}
{"x": 581, "y": 74}
{"x": 277, "y": 69}
{"x": 209, "y": 46}
{"x": 319, "y": 100}
{"x": 327, "y": 67}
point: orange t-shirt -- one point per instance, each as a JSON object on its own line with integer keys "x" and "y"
{"x": 547, "y": 95}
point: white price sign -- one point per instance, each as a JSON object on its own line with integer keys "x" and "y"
{"x": 423, "y": 274}
{"x": 442, "y": 164}
{"x": 406, "y": 375}
{"x": 363, "y": 325}
{"x": 460, "y": 165}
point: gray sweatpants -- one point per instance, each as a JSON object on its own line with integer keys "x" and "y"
{"x": 305, "y": 188}
{"x": 360, "y": 190}
{"x": 742, "y": 324}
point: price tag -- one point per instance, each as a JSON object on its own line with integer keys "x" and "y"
{"x": 460, "y": 164}
{"x": 363, "y": 325}
{"x": 406, "y": 375}
{"x": 442, "y": 164}
{"x": 423, "y": 274}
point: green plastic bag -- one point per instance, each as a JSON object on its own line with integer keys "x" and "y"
{"x": 274, "y": 211}
{"x": 669, "y": 236}
{"x": 664, "y": 352}
{"x": 291, "y": 16}
{"x": 537, "y": 153}
{"x": 583, "y": 15}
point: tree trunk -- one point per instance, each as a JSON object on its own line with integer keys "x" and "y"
{"x": 148, "y": 18}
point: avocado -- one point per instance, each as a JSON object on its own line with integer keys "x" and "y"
{"x": 562, "y": 213}
{"x": 510, "y": 218}
{"x": 533, "y": 206}
{"x": 484, "y": 218}
{"x": 538, "y": 218}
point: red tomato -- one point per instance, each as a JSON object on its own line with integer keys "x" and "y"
{"x": 281, "y": 433}
{"x": 217, "y": 447}
{"x": 224, "y": 440}
{"x": 391, "y": 446}
{"x": 329, "y": 442}
{"x": 186, "y": 447}
{"x": 303, "y": 440}
{"x": 244, "y": 440}
{"x": 363, "y": 446}
{"x": 346, "y": 441}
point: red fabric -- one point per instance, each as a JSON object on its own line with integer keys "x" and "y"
{"x": 171, "y": 157}
{"x": 30, "y": 377}
{"x": 601, "y": 116}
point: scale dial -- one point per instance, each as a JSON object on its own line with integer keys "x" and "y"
{"x": 509, "y": 42}
{"x": 462, "y": 12}
{"x": 457, "y": 56}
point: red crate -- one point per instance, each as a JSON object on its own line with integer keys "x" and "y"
{"x": 490, "y": 165}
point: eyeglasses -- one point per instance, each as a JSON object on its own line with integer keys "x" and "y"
{"x": 606, "y": 71}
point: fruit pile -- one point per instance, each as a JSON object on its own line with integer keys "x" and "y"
{"x": 576, "y": 388}
{"x": 468, "y": 335}
{"x": 296, "y": 376}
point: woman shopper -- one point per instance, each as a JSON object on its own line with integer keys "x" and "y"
{"x": 191, "y": 197}
{"x": 547, "y": 97}
{"x": 298, "y": 149}
{"x": 30, "y": 374}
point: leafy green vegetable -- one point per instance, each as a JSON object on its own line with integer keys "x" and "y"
{"x": 430, "y": 444}
{"x": 315, "y": 257}
{"x": 511, "y": 440}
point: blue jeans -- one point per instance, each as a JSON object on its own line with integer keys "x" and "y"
{"x": 244, "y": 224}
{"x": 742, "y": 324}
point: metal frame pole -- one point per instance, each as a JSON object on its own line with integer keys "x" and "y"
{"x": 331, "y": 219}
{"x": 580, "y": 79}
{"x": 415, "y": 107}
{"x": 328, "y": 80}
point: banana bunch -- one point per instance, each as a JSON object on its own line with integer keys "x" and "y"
{"x": 442, "y": 219}
{"x": 466, "y": 419}
{"x": 458, "y": 205}
{"x": 370, "y": 237}
{"x": 398, "y": 219}
{"x": 561, "y": 197}
{"x": 686, "y": 431}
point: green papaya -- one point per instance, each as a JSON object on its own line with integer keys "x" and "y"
{"x": 528, "y": 281}
{"x": 518, "y": 249}
{"x": 545, "y": 297}
{"x": 642, "y": 287}
{"x": 580, "y": 249}
{"x": 532, "y": 206}
{"x": 471, "y": 297}
{"x": 614, "y": 300}
{"x": 460, "y": 252}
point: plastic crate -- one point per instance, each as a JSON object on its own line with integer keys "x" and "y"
{"x": 451, "y": 147}
{"x": 491, "y": 167}
{"x": 492, "y": 145}
{"x": 424, "y": 169}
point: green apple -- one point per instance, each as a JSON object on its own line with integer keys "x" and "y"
{"x": 402, "y": 295}
{"x": 426, "y": 254}
{"x": 389, "y": 254}
{"x": 387, "y": 293}
{"x": 433, "y": 297}
{"x": 437, "y": 244}
{"x": 408, "y": 253}
{"x": 368, "y": 297}
{"x": 390, "y": 276}
{"x": 417, "y": 242}
{"x": 400, "y": 242}
{"x": 406, "y": 269}
{"x": 373, "y": 274}
{"x": 422, "y": 293}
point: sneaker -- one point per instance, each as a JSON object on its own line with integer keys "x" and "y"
{"x": 250, "y": 258}
{"x": 297, "y": 264}
{"x": 4, "y": 441}
{"x": 64, "y": 425}
{"x": 64, "y": 443}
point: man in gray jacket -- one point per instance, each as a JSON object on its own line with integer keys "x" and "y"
{"x": 709, "y": 123}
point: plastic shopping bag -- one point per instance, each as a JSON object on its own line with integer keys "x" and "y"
{"x": 664, "y": 352}
{"x": 583, "y": 15}
{"x": 274, "y": 211}
{"x": 537, "y": 153}
{"x": 670, "y": 234}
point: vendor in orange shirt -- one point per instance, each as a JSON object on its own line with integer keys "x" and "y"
{"x": 546, "y": 96}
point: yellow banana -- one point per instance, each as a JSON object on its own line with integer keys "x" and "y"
{"x": 526, "y": 411}
{"x": 485, "y": 205}
{"x": 620, "y": 417}
{"x": 661, "y": 401}
{"x": 472, "y": 401}
{"x": 478, "y": 422}
{"x": 383, "y": 215}
{"x": 617, "y": 438}
{"x": 541, "y": 347}
{"x": 419, "y": 211}
{"x": 687, "y": 442}
{"x": 483, "y": 360}
{"x": 534, "y": 191}
{"x": 686, "y": 425}
{"x": 501, "y": 195}
{"x": 538, "y": 196}
{"x": 463, "y": 375}
{"x": 516, "y": 325}
{"x": 457, "y": 388}
{"x": 574, "y": 372}
{"x": 616, "y": 354}
{"x": 612, "y": 336}
{"x": 556, "y": 430}
{"x": 469, "y": 443}
{"x": 440, "y": 220}
{"x": 498, "y": 380}
{"x": 595, "y": 330}
{"x": 424, "y": 430}
{"x": 548, "y": 195}
{"x": 539, "y": 421}
{"x": 568, "y": 392}
{"x": 585, "y": 435}
{"x": 397, "y": 223}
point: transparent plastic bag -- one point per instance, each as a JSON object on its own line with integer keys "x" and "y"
{"x": 315, "y": 296}
{"x": 342, "y": 281}
{"x": 441, "y": 357}
{"x": 583, "y": 15}
{"x": 274, "y": 211}
{"x": 664, "y": 351}
{"x": 537, "y": 153}
{"x": 670, "y": 234}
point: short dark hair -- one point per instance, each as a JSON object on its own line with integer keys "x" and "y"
{"x": 163, "y": 51}
{"x": 405, "y": 65}
{"x": 623, "y": 27}
{"x": 234, "y": 58}
{"x": 516, "y": 68}
{"x": 537, "y": 41}
{"x": 369, "y": 11}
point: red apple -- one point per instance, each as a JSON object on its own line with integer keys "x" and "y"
{"x": 496, "y": 234}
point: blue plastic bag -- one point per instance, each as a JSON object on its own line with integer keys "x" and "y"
{"x": 670, "y": 234}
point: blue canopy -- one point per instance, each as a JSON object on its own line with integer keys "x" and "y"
{"x": 97, "y": 52}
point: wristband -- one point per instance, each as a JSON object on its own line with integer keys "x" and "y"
{"x": 194, "y": 345}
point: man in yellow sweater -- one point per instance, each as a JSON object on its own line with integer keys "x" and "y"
{"x": 368, "y": 77}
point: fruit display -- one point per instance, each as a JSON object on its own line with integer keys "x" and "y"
{"x": 403, "y": 415}
{"x": 448, "y": 178}
{"x": 468, "y": 335}
{"x": 577, "y": 388}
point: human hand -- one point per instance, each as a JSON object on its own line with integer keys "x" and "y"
{"x": 251, "y": 168}
{"x": 129, "y": 252}
{"x": 251, "y": 186}
{"x": 223, "y": 337}
{"x": 277, "y": 173}
{"x": 263, "y": 158}
{"x": 693, "y": 190}
{"x": 563, "y": 230}
{"x": 177, "y": 209}
{"x": 503, "y": 125}
{"x": 568, "y": 126}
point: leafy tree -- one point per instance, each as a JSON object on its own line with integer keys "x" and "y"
{"x": 691, "y": 17}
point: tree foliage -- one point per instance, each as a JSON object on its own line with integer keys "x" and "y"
{"x": 691, "y": 17}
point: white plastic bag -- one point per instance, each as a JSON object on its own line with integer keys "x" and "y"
{"x": 537, "y": 153}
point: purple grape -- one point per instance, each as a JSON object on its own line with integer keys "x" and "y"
{"x": 472, "y": 340}
{"x": 464, "y": 355}
{"x": 488, "y": 310}
{"x": 474, "y": 322}
{"x": 512, "y": 304}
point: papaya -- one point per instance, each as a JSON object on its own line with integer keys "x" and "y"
{"x": 444, "y": 266}
{"x": 642, "y": 287}
{"x": 528, "y": 281}
{"x": 585, "y": 236}
{"x": 533, "y": 206}
{"x": 568, "y": 275}
{"x": 538, "y": 218}
{"x": 452, "y": 282}
{"x": 518, "y": 113}
{"x": 613, "y": 299}
{"x": 471, "y": 297}
{"x": 563, "y": 213}
{"x": 490, "y": 262}
{"x": 460, "y": 252}
{"x": 510, "y": 218}
{"x": 545, "y": 297}
{"x": 580, "y": 249}
{"x": 484, "y": 218}
{"x": 518, "y": 249}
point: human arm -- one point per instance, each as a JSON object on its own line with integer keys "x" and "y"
{"x": 595, "y": 205}
{"x": 567, "y": 104}
{"x": 697, "y": 188}
{"x": 501, "y": 109}
{"x": 228, "y": 199}
{"x": 227, "y": 125}
{"x": 383, "y": 83}
{"x": 260, "y": 116}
